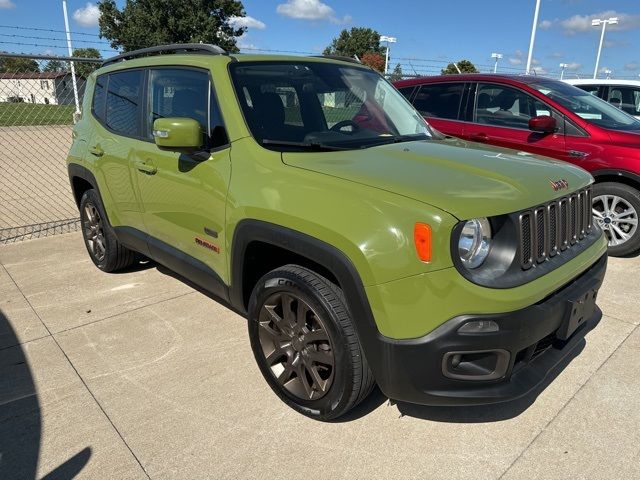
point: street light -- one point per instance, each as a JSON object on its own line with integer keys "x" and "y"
{"x": 388, "y": 40}
{"x": 596, "y": 23}
{"x": 497, "y": 56}
{"x": 563, "y": 66}
{"x": 533, "y": 36}
{"x": 608, "y": 73}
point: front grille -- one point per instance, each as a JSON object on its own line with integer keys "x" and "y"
{"x": 548, "y": 229}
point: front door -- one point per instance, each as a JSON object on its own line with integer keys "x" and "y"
{"x": 501, "y": 117}
{"x": 184, "y": 196}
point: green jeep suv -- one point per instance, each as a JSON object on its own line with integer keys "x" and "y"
{"x": 362, "y": 246}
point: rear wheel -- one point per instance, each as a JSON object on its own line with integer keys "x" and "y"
{"x": 304, "y": 342}
{"x": 615, "y": 208}
{"x": 104, "y": 249}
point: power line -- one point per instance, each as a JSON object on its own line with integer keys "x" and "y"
{"x": 48, "y": 30}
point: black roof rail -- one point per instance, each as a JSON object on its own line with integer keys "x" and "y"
{"x": 339, "y": 57}
{"x": 204, "y": 48}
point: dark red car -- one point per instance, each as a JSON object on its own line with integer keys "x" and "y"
{"x": 546, "y": 117}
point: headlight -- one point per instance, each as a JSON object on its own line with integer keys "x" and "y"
{"x": 474, "y": 242}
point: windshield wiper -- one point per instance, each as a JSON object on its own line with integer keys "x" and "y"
{"x": 397, "y": 139}
{"x": 306, "y": 145}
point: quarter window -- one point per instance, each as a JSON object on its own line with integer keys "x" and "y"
{"x": 123, "y": 102}
{"x": 97, "y": 103}
{"x": 439, "y": 100}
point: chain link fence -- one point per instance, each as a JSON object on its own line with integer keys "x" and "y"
{"x": 39, "y": 98}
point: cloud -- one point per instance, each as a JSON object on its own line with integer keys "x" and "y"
{"x": 6, "y": 4}
{"x": 582, "y": 23}
{"x": 631, "y": 66}
{"x": 545, "y": 25}
{"x": 517, "y": 58}
{"x": 574, "y": 66}
{"x": 247, "y": 22}
{"x": 87, "y": 16}
{"x": 556, "y": 55}
{"x": 310, "y": 10}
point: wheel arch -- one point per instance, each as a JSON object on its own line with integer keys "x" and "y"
{"x": 619, "y": 176}
{"x": 314, "y": 252}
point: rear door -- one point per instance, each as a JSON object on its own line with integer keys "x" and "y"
{"x": 442, "y": 104}
{"x": 184, "y": 195}
{"x": 113, "y": 144}
{"x": 501, "y": 114}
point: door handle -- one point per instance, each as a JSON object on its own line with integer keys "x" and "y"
{"x": 577, "y": 154}
{"x": 145, "y": 167}
{"x": 96, "y": 151}
{"x": 479, "y": 137}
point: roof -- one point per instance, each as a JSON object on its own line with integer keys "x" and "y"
{"x": 610, "y": 81}
{"x": 31, "y": 75}
{"x": 473, "y": 77}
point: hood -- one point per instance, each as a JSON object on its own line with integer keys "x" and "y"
{"x": 467, "y": 180}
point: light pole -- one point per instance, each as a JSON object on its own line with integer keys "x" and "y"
{"x": 596, "y": 23}
{"x": 563, "y": 66}
{"x": 496, "y": 56}
{"x": 388, "y": 40}
{"x": 533, "y": 36}
{"x": 73, "y": 69}
{"x": 608, "y": 73}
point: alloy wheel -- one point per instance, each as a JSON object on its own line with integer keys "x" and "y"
{"x": 94, "y": 232}
{"x": 296, "y": 346}
{"x": 616, "y": 217}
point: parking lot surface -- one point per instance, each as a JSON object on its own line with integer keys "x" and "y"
{"x": 138, "y": 375}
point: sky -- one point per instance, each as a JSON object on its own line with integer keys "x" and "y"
{"x": 429, "y": 34}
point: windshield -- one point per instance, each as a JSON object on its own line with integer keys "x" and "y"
{"x": 588, "y": 106}
{"x": 299, "y": 105}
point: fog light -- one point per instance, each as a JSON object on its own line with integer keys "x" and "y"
{"x": 479, "y": 326}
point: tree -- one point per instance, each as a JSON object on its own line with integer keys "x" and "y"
{"x": 18, "y": 65}
{"x": 55, "y": 66}
{"x": 465, "y": 66}
{"x": 145, "y": 23}
{"x": 356, "y": 41}
{"x": 373, "y": 60}
{"x": 397, "y": 73}
{"x": 84, "y": 69}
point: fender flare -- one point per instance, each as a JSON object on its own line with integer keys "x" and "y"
{"x": 630, "y": 176}
{"x": 324, "y": 254}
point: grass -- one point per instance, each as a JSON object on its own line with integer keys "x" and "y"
{"x": 28, "y": 114}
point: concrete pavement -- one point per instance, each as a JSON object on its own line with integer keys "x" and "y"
{"x": 137, "y": 375}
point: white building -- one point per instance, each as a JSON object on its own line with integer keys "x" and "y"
{"x": 54, "y": 88}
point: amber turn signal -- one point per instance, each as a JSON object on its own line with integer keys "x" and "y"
{"x": 422, "y": 240}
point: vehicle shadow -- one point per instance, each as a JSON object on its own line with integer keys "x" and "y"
{"x": 20, "y": 415}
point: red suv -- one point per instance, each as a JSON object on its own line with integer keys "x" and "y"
{"x": 545, "y": 117}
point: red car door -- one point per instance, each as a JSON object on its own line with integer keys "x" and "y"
{"x": 441, "y": 105}
{"x": 501, "y": 117}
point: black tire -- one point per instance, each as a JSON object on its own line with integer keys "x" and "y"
{"x": 631, "y": 197}
{"x": 347, "y": 382}
{"x": 103, "y": 247}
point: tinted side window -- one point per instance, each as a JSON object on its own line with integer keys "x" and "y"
{"x": 123, "y": 102}
{"x": 406, "y": 91}
{"x": 625, "y": 98}
{"x": 440, "y": 100}
{"x": 178, "y": 92}
{"x": 99, "y": 93}
{"x": 504, "y": 106}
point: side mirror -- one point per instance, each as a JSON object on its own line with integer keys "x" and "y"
{"x": 178, "y": 134}
{"x": 543, "y": 124}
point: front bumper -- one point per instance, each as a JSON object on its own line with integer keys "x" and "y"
{"x": 446, "y": 367}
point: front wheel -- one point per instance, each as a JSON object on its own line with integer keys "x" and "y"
{"x": 615, "y": 208}
{"x": 303, "y": 340}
